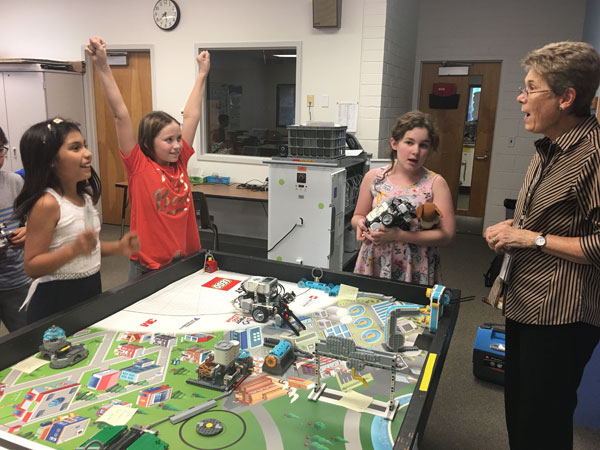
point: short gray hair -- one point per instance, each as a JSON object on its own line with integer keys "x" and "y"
{"x": 567, "y": 65}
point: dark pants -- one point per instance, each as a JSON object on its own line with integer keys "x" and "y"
{"x": 54, "y": 296}
{"x": 10, "y": 302}
{"x": 544, "y": 366}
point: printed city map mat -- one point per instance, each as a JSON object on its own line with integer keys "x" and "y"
{"x": 142, "y": 356}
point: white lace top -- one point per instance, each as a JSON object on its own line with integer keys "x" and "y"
{"x": 73, "y": 221}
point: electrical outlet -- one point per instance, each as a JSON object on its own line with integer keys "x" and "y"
{"x": 310, "y": 100}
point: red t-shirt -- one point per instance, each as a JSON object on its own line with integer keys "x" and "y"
{"x": 162, "y": 208}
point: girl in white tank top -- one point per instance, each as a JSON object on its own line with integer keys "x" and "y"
{"x": 62, "y": 249}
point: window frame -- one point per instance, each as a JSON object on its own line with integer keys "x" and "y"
{"x": 201, "y": 139}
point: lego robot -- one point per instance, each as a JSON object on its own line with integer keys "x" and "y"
{"x": 60, "y": 352}
{"x": 396, "y": 212}
{"x": 262, "y": 300}
{"x": 224, "y": 367}
{"x": 4, "y": 237}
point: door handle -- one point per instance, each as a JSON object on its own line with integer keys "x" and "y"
{"x": 481, "y": 158}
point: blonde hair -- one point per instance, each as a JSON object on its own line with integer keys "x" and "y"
{"x": 567, "y": 65}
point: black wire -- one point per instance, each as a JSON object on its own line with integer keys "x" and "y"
{"x": 253, "y": 187}
{"x": 286, "y": 235}
{"x": 255, "y": 179}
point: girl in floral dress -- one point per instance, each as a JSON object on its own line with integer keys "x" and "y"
{"x": 393, "y": 253}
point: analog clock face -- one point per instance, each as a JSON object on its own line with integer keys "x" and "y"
{"x": 166, "y": 14}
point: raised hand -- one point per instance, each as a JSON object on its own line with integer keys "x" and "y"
{"x": 96, "y": 48}
{"x": 203, "y": 60}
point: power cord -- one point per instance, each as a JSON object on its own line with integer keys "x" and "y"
{"x": 253, "y": 186}
{"x": 301, "y": 220}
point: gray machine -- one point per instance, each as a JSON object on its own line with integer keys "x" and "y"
{"x": 310, "y": 205}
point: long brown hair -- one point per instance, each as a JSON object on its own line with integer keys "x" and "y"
{"x": 150, "y": 125}
{"x": 408, "y": 121}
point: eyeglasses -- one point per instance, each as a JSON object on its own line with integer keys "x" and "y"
{"x": 524, "y": 91}
{"x": 3, "y": 150}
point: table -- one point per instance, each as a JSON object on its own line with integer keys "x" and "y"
{"x": 227, "y": 191}
{"x": 181, "y": 308}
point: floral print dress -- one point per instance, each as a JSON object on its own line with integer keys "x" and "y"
{"x": 397, "y": 260}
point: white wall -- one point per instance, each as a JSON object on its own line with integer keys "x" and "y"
{"x": 58, "y": 29}
{"x": 331, "y": 61}
{"x": 591, "y": 28}
{"x": 402, "y": 17}
{"x": 506, "y": 31}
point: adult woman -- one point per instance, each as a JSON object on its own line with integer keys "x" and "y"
{"x": 552, "y": 298}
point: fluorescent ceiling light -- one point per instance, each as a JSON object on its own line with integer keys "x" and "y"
{"x": 284, "y": 56}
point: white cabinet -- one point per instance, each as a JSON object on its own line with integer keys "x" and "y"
{"x": 306, "y": 213}
{"x": 311, "y": 204}
{"x": 31, "y": 94}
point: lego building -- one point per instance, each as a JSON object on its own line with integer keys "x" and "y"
{"x": 165, "y": 340}
{"x": 328, "y": 367}
{"x": 131, "y": 336}
{"x": 141, "y": 370}
{"x": 255, "y": 390}
{"x": 101, "y": 381}
{"x": 48, "y": 400}
{"x": 195, "y": 355}
{"x": 198, "y": 337}
{"x": 129, "y": 350}
{"x": 154, "y": 395}
{"x": 300, "y": 383}
{"x": 226, "y": 351}
{"x": 62, "y": 429}
{"x": 250, "y": 337}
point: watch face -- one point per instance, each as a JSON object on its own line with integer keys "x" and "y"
{"x": 540, "y": 241}
{"x": 166, "y": 14}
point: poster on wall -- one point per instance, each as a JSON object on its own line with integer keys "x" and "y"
{"x": 347, "y": 114}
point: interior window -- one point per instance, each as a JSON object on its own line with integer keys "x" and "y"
{"x": 251, "y": 98}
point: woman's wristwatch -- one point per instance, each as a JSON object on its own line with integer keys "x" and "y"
{"x": 540, "y": 241}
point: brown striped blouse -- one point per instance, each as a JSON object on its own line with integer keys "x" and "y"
{"x": 560, "y": 196}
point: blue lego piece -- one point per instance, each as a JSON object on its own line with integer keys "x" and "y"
{"x": 331, "y": 289}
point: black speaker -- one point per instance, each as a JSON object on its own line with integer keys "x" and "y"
{"x": 327, "y": 13}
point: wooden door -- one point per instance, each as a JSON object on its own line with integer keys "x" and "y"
{"x": 134, "y": 81}
{"x": 448, "y": 159}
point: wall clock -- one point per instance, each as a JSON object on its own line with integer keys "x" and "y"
{"x": 166, "y": 14}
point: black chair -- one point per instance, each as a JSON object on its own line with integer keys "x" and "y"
{"x": 203, "y": 218}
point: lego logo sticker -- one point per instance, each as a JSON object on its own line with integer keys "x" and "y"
{"x": 222, "y": 284}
